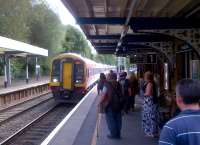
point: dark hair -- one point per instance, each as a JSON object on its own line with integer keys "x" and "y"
{"x": 188, "y": 90}
{"x": 124, "y": 74}
{"x": 102, "y": 76}
{"x": 149, "y": 76}
{"x": 112, "y": 76}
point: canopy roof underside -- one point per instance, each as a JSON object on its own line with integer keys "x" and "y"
{"x": 105, "y": 21}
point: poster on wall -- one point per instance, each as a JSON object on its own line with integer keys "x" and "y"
{"x": 195, "y": 69}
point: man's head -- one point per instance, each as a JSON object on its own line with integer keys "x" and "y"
{"x": 111, "y": 71}
{"x": 125, "y": 74}
{"x": 187, "y": 93}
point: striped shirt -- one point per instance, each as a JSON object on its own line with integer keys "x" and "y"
{"x": 182, "y": 130}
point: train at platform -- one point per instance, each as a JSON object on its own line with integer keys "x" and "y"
{"x": 73, "y": 75}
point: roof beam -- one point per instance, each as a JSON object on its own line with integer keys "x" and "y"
{"x": 104, "y": 44}
{"x": 134, "y": 38}
{"x": 164, "y": 23}
{"x": 127, "y": 51}
{"x": 145, "y": 22}
{"x": 100, "y": 20}
{"x": 128, "y": 46}
{"x": 103, "y": 37}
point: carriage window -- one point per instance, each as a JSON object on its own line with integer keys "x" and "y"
{"x": 79, "y": 73}
{"x": 56, "y": 70}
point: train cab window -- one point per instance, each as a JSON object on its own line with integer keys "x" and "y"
{"x": 56, "y": 71}
{"x": 79, "y": 73}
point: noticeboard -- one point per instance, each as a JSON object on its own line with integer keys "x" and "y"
{"x": 144, "y": 59}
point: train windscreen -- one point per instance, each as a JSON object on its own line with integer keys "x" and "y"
{"x": 79, "y": 73}
{"x": 56, "y": 71}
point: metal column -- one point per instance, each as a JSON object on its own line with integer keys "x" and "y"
{"x": 37, "y": 71}
{"x": 27, "y": 75}
{"x": 7, "y": 71}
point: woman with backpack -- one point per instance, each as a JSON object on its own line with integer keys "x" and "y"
{"x": 111, "y": 100}
{"x": 150, "y": 107}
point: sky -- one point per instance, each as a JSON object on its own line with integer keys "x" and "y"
{"x": 65, "y": 16}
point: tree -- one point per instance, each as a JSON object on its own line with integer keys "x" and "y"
{"x": 106, "y": 59}
{"x": 14, "y": 15}
{"x": 76, "y": 42}
{"x": 46, "y": 29}
{"x": 33, "y": 22}
{"x": 46, "y": 32}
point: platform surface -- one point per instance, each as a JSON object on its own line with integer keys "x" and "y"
{"x": 79, "y": 127}
{"x": 22, "y": 85}
{"x": 132, "y": 133}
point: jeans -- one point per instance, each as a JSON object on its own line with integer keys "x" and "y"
{"x": 114, "y": 122}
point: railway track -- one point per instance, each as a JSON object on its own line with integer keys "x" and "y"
{"x": 13, "y": 111}
{"x": 13, "y": 118}
{"x": 36, "y": 131}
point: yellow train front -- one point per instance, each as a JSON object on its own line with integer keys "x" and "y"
{"x": 72, "y": 75}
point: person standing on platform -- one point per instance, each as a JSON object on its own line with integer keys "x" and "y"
{"x": 110, "y": 99}
{"x": 133, "y": 90}
{"x": 184, "y": 129}
{"x": 101, "y": 82}
{"x": 141, "y": 86}
{"x": 125, "y": 86}
{"x": 150, "y": 107}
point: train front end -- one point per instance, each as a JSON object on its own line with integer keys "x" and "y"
{"x": 67, "y": 79}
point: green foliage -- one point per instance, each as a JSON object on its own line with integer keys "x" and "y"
{"x": 106, "y": 59}
{"x": 76, "y": 42}
{"x": 1, "y": 66}
{"x": 46, "y": 29}
{"x": 14, "y": 19}
{"x": 33, "y": 22}
{"x": 18, "y": 68}
{"x": 47, "y": 32}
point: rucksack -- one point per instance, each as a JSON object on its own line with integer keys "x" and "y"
{"x": 115, "y": 101}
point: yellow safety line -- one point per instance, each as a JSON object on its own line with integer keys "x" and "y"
{"x": 97, "y": 128}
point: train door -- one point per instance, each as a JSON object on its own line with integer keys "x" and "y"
{"x": 67, "y": 76}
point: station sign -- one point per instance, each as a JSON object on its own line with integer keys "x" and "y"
{"x": 144, "y": 59}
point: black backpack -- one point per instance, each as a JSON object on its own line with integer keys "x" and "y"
{"x": 116, "y": 102}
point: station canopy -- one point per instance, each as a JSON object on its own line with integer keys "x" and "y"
{"x": 113, "y": 26}
{"x": 17, "y": 48}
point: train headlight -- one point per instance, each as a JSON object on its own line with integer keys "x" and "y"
{"x": 55, "y": 80}
{"x": 78, "y": 81}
